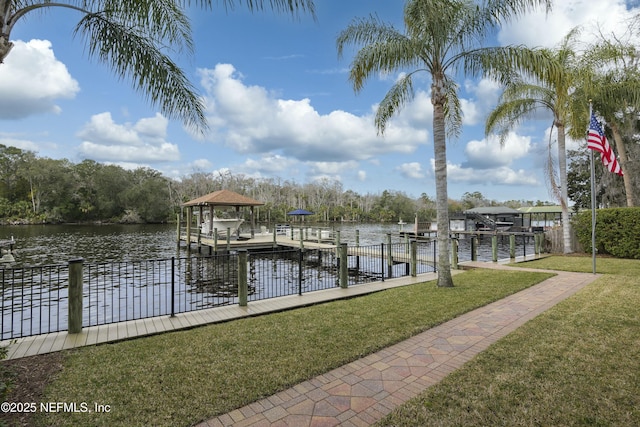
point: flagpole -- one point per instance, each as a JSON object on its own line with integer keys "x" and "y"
{"x": 593, "y": 200}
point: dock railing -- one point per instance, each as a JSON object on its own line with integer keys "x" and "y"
{"x": 53, "y": 298}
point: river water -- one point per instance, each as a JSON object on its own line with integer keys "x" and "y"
{"x": 38, "y": 245}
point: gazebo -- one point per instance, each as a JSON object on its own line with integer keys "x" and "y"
{"x": 221, "y": 198}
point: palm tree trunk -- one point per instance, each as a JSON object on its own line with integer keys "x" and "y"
{"x": 622, "y": 153}
{"x": 442, "y": 199}
{"x": 562, "y": 164}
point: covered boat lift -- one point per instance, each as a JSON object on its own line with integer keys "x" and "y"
{"x": 221, "y": 198}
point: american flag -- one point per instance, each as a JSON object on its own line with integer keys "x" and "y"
{"x": 597, "y": 141}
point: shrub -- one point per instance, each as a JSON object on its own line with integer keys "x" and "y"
{"x": 617, "y": 231}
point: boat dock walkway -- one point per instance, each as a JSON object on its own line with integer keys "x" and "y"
{"x": 266, "y": 241}
{"x": 258, "y": 241}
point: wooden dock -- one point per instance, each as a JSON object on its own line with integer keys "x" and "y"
{"x": 258, "y": 242}
{"x": 400, "y": 254}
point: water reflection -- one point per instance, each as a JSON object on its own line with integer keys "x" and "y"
{"x": 55, "y": 244}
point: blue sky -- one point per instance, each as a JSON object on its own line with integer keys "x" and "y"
{"x": 279, "y": 104}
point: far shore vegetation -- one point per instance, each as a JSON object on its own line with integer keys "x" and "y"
{"x": 37, "y": 190}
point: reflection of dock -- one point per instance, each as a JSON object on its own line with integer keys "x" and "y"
{"x": 6, "y": 250}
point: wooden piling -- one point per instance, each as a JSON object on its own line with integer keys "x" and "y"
{"x": 243, "y": 286}
{"x": 75, "y": 296}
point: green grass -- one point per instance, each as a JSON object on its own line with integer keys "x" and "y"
{"x": 575, "y": 365}
{"x": 584, "y": 264}
{"x": 178, "y": 379}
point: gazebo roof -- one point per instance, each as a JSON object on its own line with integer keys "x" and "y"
{"x": 223, "y": 198}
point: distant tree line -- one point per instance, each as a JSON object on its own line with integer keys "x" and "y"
{"x": 42, "y": 190}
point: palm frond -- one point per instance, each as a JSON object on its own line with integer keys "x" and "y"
{"x": 292, "y": 7}
{"x": 132, "y": 55}
{"x": 399, "y": 94}
{"x": 452, "y": 108}
{"x": 507, "y": 115}
{"x": 164, "y": 21}
{"x": 505, "y": 10}
{"x": 383, "y": 49}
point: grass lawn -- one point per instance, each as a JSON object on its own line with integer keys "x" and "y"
{"x": 575, "y": 365}
{"x": 181, "y": 378}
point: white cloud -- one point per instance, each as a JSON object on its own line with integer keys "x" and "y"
{"x": 271, "y": 165}
{"x": 201, "y": 165}
{"x": 411, "y": 170}
{"x": 488, "y": 153}
{"x": 331, "y": 168}
{"x": 48, "y": 80}
{"x": 540, "y": 29}
{"x": 22, "y": 144}
{"x": 144, "y": 141}
{"x": 250, "y": 119}
{"x": 501, "y": 175}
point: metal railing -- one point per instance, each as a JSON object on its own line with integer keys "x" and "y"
{"x": 36, "y": 300}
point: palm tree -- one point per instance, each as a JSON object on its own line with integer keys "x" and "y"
{"x": 545, "y": 88}
{"x": 615, "y": 93}
{"x": 441, "y": 38}
{"x": 132, "y": 36}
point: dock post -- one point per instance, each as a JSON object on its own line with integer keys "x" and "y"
{"x": 188, "y": 221}
{"x": 301, "y": 238}
{"x": 512, "y": 246}
{"x": 344, "y": 265}
{"x": 243, "y": 288}
{"x": 540, "y": 243}
{"x": 357, "y": 238}
{"x": 414, "y": 258}
{"x": 474, "y": 248}
{"x": 494, "y": 247}
{"x": 382, "y": 260}
{"x": 275, "y": 237}
{"x": 178, "y": 228}
{"x": 389, "y": 257}
{"x": 215, "y": 240}
{"x": 228, "y": 239}
{"x": 75, "y": 296}
{"x": 454, "y": 254}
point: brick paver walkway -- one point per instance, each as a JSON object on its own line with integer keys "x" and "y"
{"x": 364, "y": 391}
